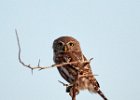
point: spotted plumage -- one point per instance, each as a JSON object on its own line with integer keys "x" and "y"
{"x": 67, "y": 49}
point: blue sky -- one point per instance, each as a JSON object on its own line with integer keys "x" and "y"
{"x": 108, "y": 30}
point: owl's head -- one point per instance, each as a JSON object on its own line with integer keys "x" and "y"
{"x": 66, "y": 44}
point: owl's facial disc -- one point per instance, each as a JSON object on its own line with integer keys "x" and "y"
{"x": 65, "y": 47}
{"x": 66, "y": 44}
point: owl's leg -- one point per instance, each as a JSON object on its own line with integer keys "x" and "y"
{"x": 73, "y": 92}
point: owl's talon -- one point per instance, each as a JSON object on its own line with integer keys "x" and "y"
{"x": 68, "y": 88}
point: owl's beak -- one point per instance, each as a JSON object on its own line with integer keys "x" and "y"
{"x": 65, "y": 49}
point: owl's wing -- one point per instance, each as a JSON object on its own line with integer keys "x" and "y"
{"x": 93, "y": 80}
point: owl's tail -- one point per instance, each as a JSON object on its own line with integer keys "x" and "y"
{"x": 101, "y": 94}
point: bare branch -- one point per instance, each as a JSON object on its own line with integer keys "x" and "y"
{"x": 43, "y": 67}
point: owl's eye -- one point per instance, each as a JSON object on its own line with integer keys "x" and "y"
{"x": 60, "y": 44}
{"x": 71, "y": 44}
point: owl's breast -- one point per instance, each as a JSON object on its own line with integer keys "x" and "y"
{"x": 68, "y": 72}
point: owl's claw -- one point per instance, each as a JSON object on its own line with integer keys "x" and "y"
{"x": 68, "y": 88}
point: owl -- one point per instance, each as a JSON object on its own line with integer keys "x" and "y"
{"x": 67, "y": 49}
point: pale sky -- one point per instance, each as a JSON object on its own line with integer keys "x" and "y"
{"x": 108, "y": 30}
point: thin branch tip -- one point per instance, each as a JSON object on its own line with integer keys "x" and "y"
{"x": 39, "y": 62}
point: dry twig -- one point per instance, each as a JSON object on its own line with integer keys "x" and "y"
{"x": 38, "y": 65}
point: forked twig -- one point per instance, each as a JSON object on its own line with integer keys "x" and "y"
{"x": 43, "y": 67}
